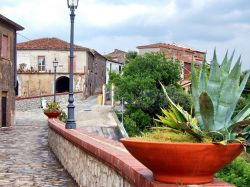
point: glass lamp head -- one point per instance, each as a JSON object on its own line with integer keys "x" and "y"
{"x": 73, "y": 3}
{"x": 55, "y": 63}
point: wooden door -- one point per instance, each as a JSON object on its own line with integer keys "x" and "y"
{"x": 4, "y": 111}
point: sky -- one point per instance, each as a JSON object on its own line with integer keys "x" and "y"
{"x": 105, "y": 25}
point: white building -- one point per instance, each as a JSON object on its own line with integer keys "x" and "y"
{"x": 35, "y": 67}
{"x": 113, "y": 66}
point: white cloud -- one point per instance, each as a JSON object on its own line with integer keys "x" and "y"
{"x": 37, "y": 14}
{"x": 109, "y": 24}
{"x": 106, "y": 15}
{"x": 102, "y": 44}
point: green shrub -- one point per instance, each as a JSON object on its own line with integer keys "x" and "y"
{"x": 179, "y": 96}
{"x": 130, "y": 126}
{"x": 139, "y": 84}
{"x": 63, "y": 116}
{"x": 141, "y": 119}
{"x": 237, "y": 173}
{"x": 53, "y": 107}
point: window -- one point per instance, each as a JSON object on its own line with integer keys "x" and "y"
{"x": 120, "y": 69}
{"x": 5, "y": 46}
{"x": 41, "y": 63}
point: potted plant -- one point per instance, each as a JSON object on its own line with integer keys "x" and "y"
{"x": 53, "y": 110}
{"x": 217, "y": 137}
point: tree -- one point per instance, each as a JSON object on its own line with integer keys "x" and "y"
{"x": 130, "y": 56}
{"x": 139, "y": 83}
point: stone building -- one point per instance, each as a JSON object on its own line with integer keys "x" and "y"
{"x": 117, "y": 55}
{"x": 8, "y": 31}
{"x": 36, "y": 73}
{"x": 183, "y": 54}
{"x": 115, "y": 62}
{"x": 113, "y": 66}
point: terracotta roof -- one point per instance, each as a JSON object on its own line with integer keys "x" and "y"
{"x": 48, "y": 44}
{"x": 11, "y": 23}
{"x": 169, "y": 46}
{"x": 116, "y": 53}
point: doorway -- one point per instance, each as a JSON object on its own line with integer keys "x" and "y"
{"x": 4, "y": 109}
{"x": 16, "y": 88}
{"x": 62, "y": 84}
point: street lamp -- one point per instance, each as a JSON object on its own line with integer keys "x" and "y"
{"x": 55, "y": 64}
{"x": 71, "y": 124}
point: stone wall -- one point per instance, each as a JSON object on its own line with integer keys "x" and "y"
{"x": 29, "y": 103}
{"x": 84, "y": 168}
{"x": 35, "y": 83}
{"x": 7, "y": 74}
{"x": 96, "y": 161}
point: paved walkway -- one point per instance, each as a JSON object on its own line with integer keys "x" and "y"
{"x": 25, "y": 158}
{"x": 95, "y": 118}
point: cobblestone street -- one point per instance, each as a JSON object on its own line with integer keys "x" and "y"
{"x": 25, "y": 158}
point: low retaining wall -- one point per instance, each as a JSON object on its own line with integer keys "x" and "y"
{"x": 96, "y": 161}
{"x": 29, "y": 103}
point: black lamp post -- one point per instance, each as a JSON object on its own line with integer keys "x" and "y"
{"x": 71, "y": 124}
{"x": 55, "y": 64}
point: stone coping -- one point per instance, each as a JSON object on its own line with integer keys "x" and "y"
{"x": 114, "y": 154}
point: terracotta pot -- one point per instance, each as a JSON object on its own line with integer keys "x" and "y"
{"x": 182, "y": 163}
{"x": 52, "y": 114}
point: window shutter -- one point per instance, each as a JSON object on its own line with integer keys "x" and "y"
{"x": 5, "y": 46}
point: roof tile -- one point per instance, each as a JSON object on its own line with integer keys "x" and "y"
{"x": 169, "y": 46}
{"x": 48, "y": 44}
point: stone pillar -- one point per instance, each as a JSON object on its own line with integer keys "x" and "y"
{"x": 103, "y": 94}
{"x": 112, "y": 94}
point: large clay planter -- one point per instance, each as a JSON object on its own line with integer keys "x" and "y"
{"x": 182, "y": 163}
{"x": 52, "y": 114}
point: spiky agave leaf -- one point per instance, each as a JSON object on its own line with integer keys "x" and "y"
{"x": 231, "y": 58}
{"x": 203, "y": 77}
{"x": 237, "y": 97}
{"x": 243, "y": 114}
{"x": 170, "y": 118}
{"x": 226, "y": 100}
{"x": 166, "y": 121}
{"x": 207, "y": 111}
{"x": 246, "y": 134}
{"x": 196, "y": 94}
{"x": 216, "y": 136}
{"x": 214, "y": 82}
{"x": 181, "y": 113}
{"x": 239, "y": 126}
{"x": 225, "y": 67}
{"x": 188, "y": 128}
{"x": 181, "y": 119}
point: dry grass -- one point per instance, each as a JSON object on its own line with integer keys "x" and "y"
{"x": 167, "y": 135}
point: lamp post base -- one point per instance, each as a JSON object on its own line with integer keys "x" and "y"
{"x": 70, "y": 124}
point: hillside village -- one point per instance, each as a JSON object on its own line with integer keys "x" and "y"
{"x": 66, "y": 111}
{"x": 91, "y": 69}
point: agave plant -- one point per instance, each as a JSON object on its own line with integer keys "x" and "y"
{"x": 177, "y": 118}
{"x": 215, "y": 99}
